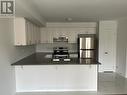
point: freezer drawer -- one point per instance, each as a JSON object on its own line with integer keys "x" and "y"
{"x": 87, "y": 43}
{"x": 87, "y": 54}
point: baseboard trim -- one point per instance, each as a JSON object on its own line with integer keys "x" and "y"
{"x": 56, "y": 90}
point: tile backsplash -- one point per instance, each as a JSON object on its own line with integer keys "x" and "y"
{"x": 48, "y": 47}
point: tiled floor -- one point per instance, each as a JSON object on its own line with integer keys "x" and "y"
{"x": 112, "y": 83}
{"x": 109, "y": 83}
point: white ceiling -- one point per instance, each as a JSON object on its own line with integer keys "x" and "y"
{"x": 25, "y": 9}
{"x": 80, "y": 10}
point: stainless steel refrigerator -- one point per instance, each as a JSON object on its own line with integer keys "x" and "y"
{"x": 87, "y": 46}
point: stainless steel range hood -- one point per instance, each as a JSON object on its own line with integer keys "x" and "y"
{"x": 60, "y": 39}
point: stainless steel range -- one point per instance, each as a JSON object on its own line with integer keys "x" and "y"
{"x": 60, "y": 54}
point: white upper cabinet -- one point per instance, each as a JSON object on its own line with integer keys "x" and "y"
{"x": 45, "y": 36}
{"x": 38, "y": 35}
{"x": 70, "y": 30}
{"x": 25, "y": 32}
{"x": 28, "y": 33}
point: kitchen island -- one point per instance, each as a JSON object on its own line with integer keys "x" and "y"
{"x": 37, "y": 73}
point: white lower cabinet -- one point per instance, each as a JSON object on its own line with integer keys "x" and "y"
{"x": 35, "y": 78}
{"x": 56, "y": 78}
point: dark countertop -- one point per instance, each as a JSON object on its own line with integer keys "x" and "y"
{"x": 39, "y": 59}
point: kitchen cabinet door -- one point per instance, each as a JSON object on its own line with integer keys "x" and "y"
{"x": 20, "y": 35}
{"x": 38, "y": 34}
{"x": 72, "y": 35}
{"x": 25, "y": 32}
{"x": 32, "y": 33}
{"x": 55, "y": 32}
{"x": 35, "y": 78}
{"x": 58, "y": 32}
{"x": 28, "y": 31}
{"x": 87, "y": 31}
{"x": 52, "y": 33}
{"x": 63, "y": 32}
{"x": 44, "y": 35}
{"x": 91, "y": 30}
{"x": 76, "y": 77}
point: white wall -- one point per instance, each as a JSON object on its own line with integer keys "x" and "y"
{"x": 121, "y": 46}
{"x": 9, "y": 54}
{"x": 48, "y": 47}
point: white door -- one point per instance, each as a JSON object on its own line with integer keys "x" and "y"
{"x": 107, "y": 45}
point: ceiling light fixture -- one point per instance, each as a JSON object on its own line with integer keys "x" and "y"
{"x": 68, "y": 19}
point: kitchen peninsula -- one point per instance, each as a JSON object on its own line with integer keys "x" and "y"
{"x": 37, "y": 73}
